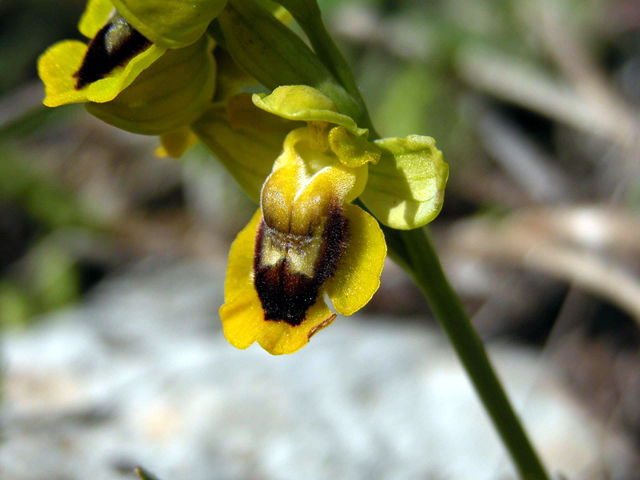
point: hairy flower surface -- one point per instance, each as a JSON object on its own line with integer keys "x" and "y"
{"x": 126, "y": 78}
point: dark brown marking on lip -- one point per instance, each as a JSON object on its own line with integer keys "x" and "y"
{"x": 286, "y": 296}
{"x": 98, "y": 62}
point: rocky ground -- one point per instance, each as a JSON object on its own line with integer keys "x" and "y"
{"x": 141, "y": 374}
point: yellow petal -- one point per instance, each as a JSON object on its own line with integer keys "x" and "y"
{"x": 242, "y": 315}
{"x": 174, "y": 144}
{"x": 406, "y": 188}
{"x": 247, "y": 154}
{"x": 357, "y": 277}
{"x": 171, "y": 93}
{"x": 94, "y": 17}
{"x": 352, "y": 150}
{"x": 304, "y": 103}
{"x": 57, "y": 65}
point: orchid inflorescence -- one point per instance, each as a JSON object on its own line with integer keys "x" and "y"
{"x": 153, "y": 67}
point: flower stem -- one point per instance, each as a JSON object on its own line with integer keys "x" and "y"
{"x": 416, "y": 253}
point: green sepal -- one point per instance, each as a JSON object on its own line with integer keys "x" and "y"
{"x": 170, "y": 23}
{"x": 246, "y": 153}
{"x": 406, "y": 188}
{"x": 307, "y": 104}
{"x": 169, "y": 94}
{"x": 271, "y": 53}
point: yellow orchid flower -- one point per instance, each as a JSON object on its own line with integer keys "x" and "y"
{"x": 134, "y": 81}
{"x": 307, "y": 240}
{"x": 304, "y": 242}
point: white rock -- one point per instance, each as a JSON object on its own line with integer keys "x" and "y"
{"x": 141, "y": 374}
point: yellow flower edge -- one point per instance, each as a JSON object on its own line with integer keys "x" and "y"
{"x": 353, "y": 284}
{"x": 57, "y": 65}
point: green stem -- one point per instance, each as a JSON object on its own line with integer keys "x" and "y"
{"x": 415, "y": 251}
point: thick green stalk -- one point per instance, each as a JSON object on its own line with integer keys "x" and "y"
{"x": 417, "y": 254}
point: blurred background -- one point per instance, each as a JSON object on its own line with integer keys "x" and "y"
{"x": 112, "y": 266}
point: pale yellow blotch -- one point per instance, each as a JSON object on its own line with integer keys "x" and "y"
{"x": 117, "y": 33}
{"x": 303, "y": 260}
{"x": 301, "y": 251}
